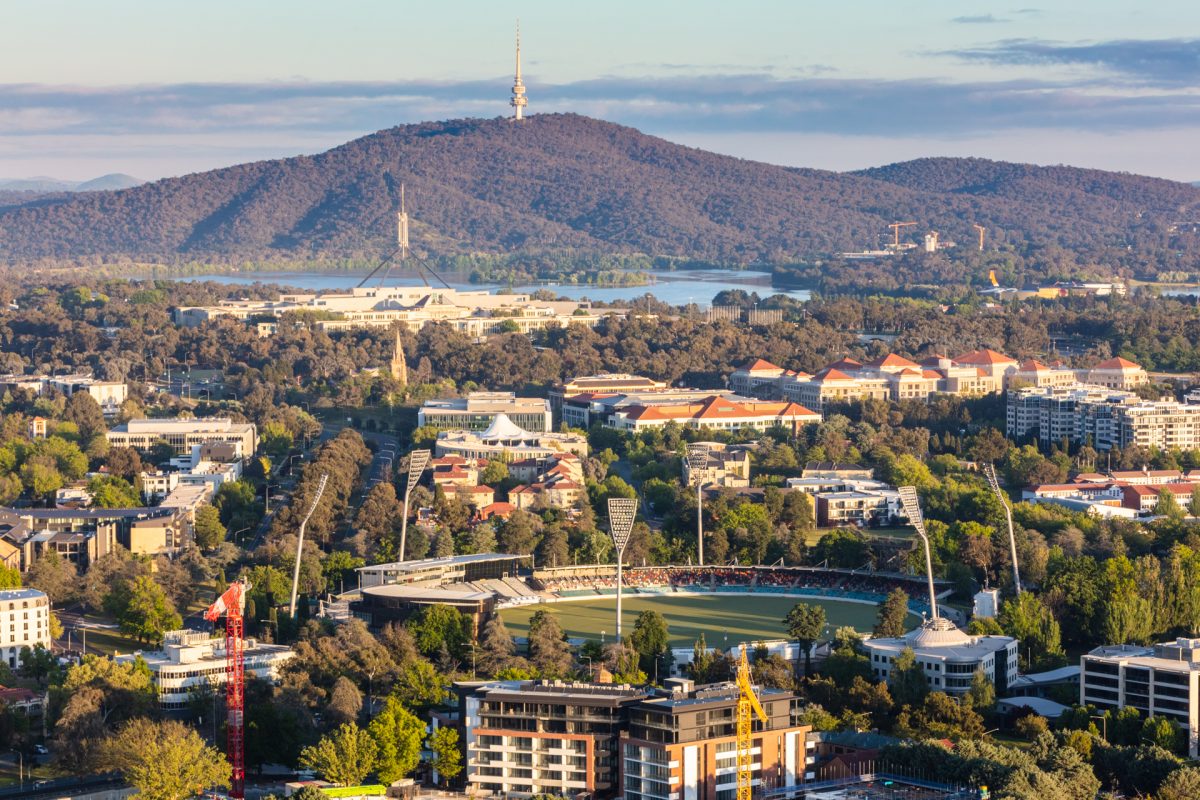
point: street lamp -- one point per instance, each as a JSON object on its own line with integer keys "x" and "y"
{"x": 697, "y": 460}
{"x": 621, "y": 513}
{"x": 417, "y": 461}
{"x": 912, "y": 509}
{"x": 989, "y": 470}
{"x": 242, "y": 530}
{"x": 21, "y": 772}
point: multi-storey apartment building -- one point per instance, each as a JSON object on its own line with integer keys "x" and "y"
{"x": 183, "y": 434}
{"x": 1107, "y": 418}
{"x": 478, "y": 410}
{"x": 683, "y": 745}
{"x": 1159, "y": 681}
{"x": 24, "y": 622}
{"x": 191, "y": 659}
{"x": 535, "y": 737}
{"x": 109, "y": 394}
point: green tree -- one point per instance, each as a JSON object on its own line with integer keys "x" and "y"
{"x": 1182, "y": 784}
{"x": 940, "y": 717}
{"x": 345, "y": 756}
{"x": 110, "y": 491}
{"x": 438, "y": 625}
{"x": 651, "y": 639}
{"x": 10, "y": 577}
{"x": 37, "y": 663}
{"x": 548, "y": 647}
{"x": 1027, "y": 618}
{"x": 142, "y": 609}
{"x": 165, "y": 760}
{"x": 1194, "y": 503}
{"x": 83, "y": 410}
{"x": 893, "y": 614}
{"x": 982, "y": 694}
{"x": 1162, "y": 732}
{"x": 907, "y": 679}
{"x": 447, "y": 758}
{"x": 804, "y": 623}
{"x": 397, "y": 733}
{"x": 496, "y": 647}
{"x": 420, "y": 685}
{"x": 339, "y": 565}
{"x": 207, "y": 528}
{"x": 1168, "y": 506}
{"x": 1128, "y": 615}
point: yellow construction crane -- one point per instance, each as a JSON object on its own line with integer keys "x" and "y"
{"x": 747, "y": 704}
{"x": 896, "y": 226}
{"x": 981, "y": 229}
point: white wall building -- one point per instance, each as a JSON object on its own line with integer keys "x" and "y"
{"x": 189, "y": 659}
{"x": 948, "y": 656}
{"x": 24, "y": 622}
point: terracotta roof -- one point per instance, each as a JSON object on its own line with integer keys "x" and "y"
{"x": 931, "y": 373}
{"x": 469, "y": 490}
{"x": 716, "y": 407}
{"x": 1143, "y": 473}
{"x": 831, "y": 374}
{"x": 1117, "y": 363}
{"x": 845, "y": 363}
{"x": 911, "y": 373}
{"x": 1033, "y": 365}
{"x": 892, "y": 360}
{"x": 497, "y": 510}
{"x": 759, "y": 364}
{"x": 984, "y": 357}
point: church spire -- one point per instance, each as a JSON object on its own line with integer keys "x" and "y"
{"x": 399, "y": 367}
{"x": 519, "y": 101}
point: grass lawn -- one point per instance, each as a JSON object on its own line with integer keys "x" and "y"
{"x": 723, "y": 619}
{"x": 109, "y": 642}
{"x": 814, "y": 535}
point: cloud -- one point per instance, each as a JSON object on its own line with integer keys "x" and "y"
{"x": 979, "y": 19}
{"x": 1153, "y": 62}
{"x": 197, "y": 125}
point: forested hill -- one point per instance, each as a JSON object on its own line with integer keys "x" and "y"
{"x": 560, "y": 181}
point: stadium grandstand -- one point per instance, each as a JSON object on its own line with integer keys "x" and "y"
{"x": 831, "y": 583}
{"x": 480, "y": 583}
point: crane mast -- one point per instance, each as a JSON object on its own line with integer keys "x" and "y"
{"x": 747, "y": 707}
{"x": 231, "y": 604}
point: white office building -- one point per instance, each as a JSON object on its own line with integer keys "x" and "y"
{"x": 190, "y": 659}
{"x": 1159, "y": 681}
{"x": 948, "y": 656}
{"x": 24, "y": 622}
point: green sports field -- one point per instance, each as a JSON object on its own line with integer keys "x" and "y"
{"x": 723, "y": 619}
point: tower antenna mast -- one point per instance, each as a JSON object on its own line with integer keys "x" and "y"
{"x": 519, "y": 100}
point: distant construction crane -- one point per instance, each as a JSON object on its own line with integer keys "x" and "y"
{"x": 231, "y": 604}
{"x": 747, "y": 704}
{"x": 896, "y": 226}
{"x": 980, "y": 229}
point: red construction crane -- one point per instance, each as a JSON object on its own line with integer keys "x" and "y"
{"x": 231, "y": 604}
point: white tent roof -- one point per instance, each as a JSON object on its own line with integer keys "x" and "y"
{"x": 504, "y": 428}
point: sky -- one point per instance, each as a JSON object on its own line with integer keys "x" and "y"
{"x": 157, "y": 88}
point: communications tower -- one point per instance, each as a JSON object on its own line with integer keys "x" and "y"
{"x": 519, "y": 101}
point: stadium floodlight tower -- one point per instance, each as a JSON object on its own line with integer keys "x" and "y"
{"x": 989, "y": 470}
{"x": 621, "y": 513}
{"x": 300, "y": 541}
{"x": 417, "y": 461}
{"x": 912, "y": 509}
{"x": 697, "y": 459}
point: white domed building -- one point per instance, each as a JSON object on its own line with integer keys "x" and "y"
{"x": 949, "y": 656}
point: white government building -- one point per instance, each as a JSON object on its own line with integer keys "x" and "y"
{"x": 189, "y": 659}
{"x": 24, "y": 622}
{"x": 948, "y": 656}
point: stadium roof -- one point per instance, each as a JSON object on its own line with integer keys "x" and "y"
{"x": 444, "y": 563}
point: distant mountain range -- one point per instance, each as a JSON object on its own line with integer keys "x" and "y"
{"x": 111, "y": 182}
{"x": 562, "y": 182}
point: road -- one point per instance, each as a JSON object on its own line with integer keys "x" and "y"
{"x": 75, "y": 626}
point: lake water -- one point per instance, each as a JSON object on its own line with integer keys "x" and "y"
{"x": 673, "y": 288}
